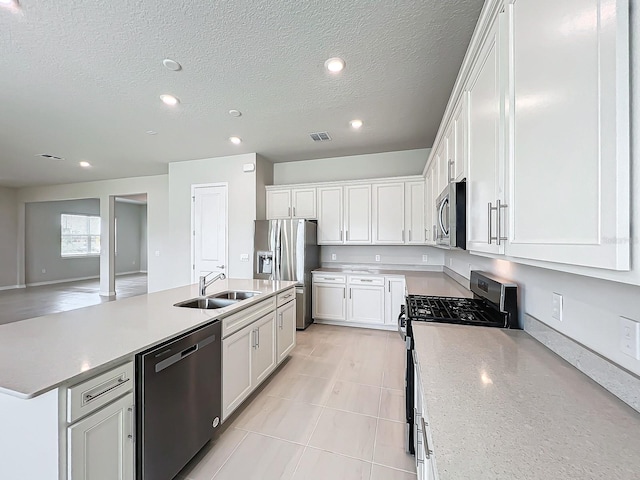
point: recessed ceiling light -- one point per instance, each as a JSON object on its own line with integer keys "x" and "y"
{"x": 235, "y": 113}
{"x": 355, "y": 124}
{"x": 9, "y": 3}
{"x": 169, "y": 100}
{"x": 84, "y": 164}
{"x": 171, "y": 64}
{"x": 235, "y": 140}
{"x": 151, "y": 132}
{"x": 334, "y": 65}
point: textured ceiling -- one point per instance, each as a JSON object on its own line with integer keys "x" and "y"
{"x": 81, "y": 79}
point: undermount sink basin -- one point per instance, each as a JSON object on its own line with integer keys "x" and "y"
{"x": 235, "y": 295}
{"x": 207, "y": 303}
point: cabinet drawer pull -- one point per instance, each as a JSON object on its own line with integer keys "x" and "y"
{"x": 366, "y": 280}
{"x": 289, "y": 295}
{"x": 425, "y": 442}
{"x": 89, "y": 397}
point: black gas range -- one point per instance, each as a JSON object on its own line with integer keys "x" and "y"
{"x": 494, "y": 304}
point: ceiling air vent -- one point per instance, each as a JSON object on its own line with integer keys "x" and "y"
{"x": 50, "y": 157}
{"x": 320, "y": 137}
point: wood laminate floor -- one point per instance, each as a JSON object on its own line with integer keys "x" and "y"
{"x": 30, "y": 302}
{"x": 334, "y": 410}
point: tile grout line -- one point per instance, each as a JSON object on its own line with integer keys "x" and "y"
{"x": 375, "y": 436}
{"x": 246, "y": 434}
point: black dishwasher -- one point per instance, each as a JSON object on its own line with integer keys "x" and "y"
{"x": 178, "y": 401}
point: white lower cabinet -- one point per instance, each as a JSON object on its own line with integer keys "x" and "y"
{"x": 394, "y": 298}
{"x": 101, "y": 445}
{"x": 248, "y": 357}
{"x": 366, "y": 301}
{"x": 329, "y": 300}
{"x": 286, "y": 329}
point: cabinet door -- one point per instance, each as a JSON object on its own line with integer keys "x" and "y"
{"x": 278, "y": 204}
{"x": 569, "y": 194}
{"x": 286, "y": 329}
{"x": 388, "y": 214}
{"x": 429, "y": 206}
{"x": 303, "y": 201}
{"x": 357, "y": 214}
{"x": 236, "y": 369}
{"x": 330, "y": 216}
{"x": 394, "y": 298}
{"x": 101, "y": 446}
{"x": 263, "y": 356}
{"x": 415, "y": 213}
{"x": 483, "y": 191}
{"x": 449, "y": 160}
{"x": 329, "y": 301}
{"x": 442, "y": 170}
{"x": 459, "y": 144}
{"x": 366, "y": 304}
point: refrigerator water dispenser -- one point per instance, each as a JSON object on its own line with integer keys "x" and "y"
{"x": 265, "y": 262}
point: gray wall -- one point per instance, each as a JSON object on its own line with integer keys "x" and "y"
{"x": 264, "y": 176}
{"x": 355, "y": 167}
{"x": 143, "y": 238}
{"x": 42, "y": 241}
{"x": 8, "y": 237}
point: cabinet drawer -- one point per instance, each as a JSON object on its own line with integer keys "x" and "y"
{"x": 286, "y": 296}
{"x": 96, "y": 392}
{"x": 235, "y": 322}
{"x": 366, "y": 280}
{"x": 328, "y": 278}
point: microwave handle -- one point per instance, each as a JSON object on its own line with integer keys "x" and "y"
{"x": 440, "y": 210}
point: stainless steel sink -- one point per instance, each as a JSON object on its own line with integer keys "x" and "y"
{"x": 235, "y": 295}
{"x": 207, "y": 303}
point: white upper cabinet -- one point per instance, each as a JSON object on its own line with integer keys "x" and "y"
{"x": 303, "y": 203}
{"x": 388, "y": 213}
{"x": 459, "y": 144}
{"x": 414, "y": 207}
{"x": 357, "y": 214}
{"x": 278, "y": 204}
{"x": 484, "y": 192}
{"x": 285, "y": 203}
{"x": 569, "y": 134}
{"x": 330, "y": 216}
{"x": 430, "y": 202}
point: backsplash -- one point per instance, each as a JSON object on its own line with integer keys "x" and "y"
{"x": 407, "y": 257}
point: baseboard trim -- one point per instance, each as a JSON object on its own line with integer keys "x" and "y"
{"x": 12, "y": 287}
{"x": 612, "y": 377}
{"x": 77, "y": 279}
{"x": 373, "y": 326}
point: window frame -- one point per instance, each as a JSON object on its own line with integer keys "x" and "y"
{"x": 88, "y": 236}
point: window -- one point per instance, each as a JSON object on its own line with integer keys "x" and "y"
{"x": 79, "y": 235}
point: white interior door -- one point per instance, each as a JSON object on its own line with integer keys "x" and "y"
{"x": 209, "y": 229}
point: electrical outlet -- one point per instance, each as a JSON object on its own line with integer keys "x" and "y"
{"x": 44, "y": 270}
{"x": 556, "y": 307}
{"x": 157, "y": 253}
{"x": 377, "y": 258}
{"x": 425, "y": 258}
{"x": 244, "y": 257}
{"x": 630, "y": 337}
{"x": 334, "y": 256}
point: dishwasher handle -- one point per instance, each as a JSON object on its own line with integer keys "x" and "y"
{"x": 175, "y": 358}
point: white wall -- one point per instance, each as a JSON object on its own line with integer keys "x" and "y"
{"x": 8, "y": 238}
{"x": 264, "y": 176}
{"x": 143, "y": 238}
{"x": 408, "y": 257}
{"x": 158, "y": 227}
{"x": 355, "y": 167}
{"x": 129, "y": 231}
{"x": 241, "y": 208}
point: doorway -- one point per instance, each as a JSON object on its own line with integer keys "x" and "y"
{"x": 209, "y": 225}
{"x": 131, "y": 245}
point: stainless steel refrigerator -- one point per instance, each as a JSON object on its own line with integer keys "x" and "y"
{"x": 288, "y": 250}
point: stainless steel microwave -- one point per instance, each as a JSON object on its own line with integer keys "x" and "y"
{"x": 450, "y": 224}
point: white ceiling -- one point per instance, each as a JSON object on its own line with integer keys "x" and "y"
{"x": 81, "y": 79}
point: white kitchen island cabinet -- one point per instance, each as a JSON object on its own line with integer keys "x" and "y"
{"x": 285, "y": 329}
{"x": 101, "y": 445}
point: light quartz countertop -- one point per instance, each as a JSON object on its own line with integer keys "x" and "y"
{"x": 500, "y": 405}
{"x": 40, "y": 354}
{"x": 418, "y": 282}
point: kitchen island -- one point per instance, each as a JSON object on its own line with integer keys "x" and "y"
{"x": 41, "y": 357}
{"x": 498, "y": 404}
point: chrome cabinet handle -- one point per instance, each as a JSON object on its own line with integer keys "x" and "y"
{"x": 294, "y": 211}
{"x": 287, "y": 296}
{"x": 341, "y": 235}
{"x": 254, "y": 335}
{"x": 368, "y": 280}
{"x": 280, "y": 321}
{"x": 220, "y": 266}
{"x": 130, "y": 411}
{"x": 346, "y": 234}
{"x": 89, "y": 397}
{"x": 344, "y": 293}
{"x": 425, "y": 442}
{"x": 349, "y": 294}
{"x": 257, "y": 338}
{"x": 499, "y": 207}
{"x": 289, "y": 212}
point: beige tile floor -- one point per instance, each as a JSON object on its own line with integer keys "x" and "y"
{"x": 23, "y": 303}
{"x": 335, "y": 410}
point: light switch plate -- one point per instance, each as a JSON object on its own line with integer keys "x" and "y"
{"x": 244, "y": 257}
{"x": 556, "y": 307}
{"x": 425, "y": 258}
{"x": 630, "y": 337}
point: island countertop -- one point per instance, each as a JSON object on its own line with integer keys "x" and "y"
{"x": 500, "y": 405}
{"x": 40, "y": 354}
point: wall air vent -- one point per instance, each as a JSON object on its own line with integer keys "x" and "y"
{"x": 48, "y": 156}
{"x": 320, "y": 137}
